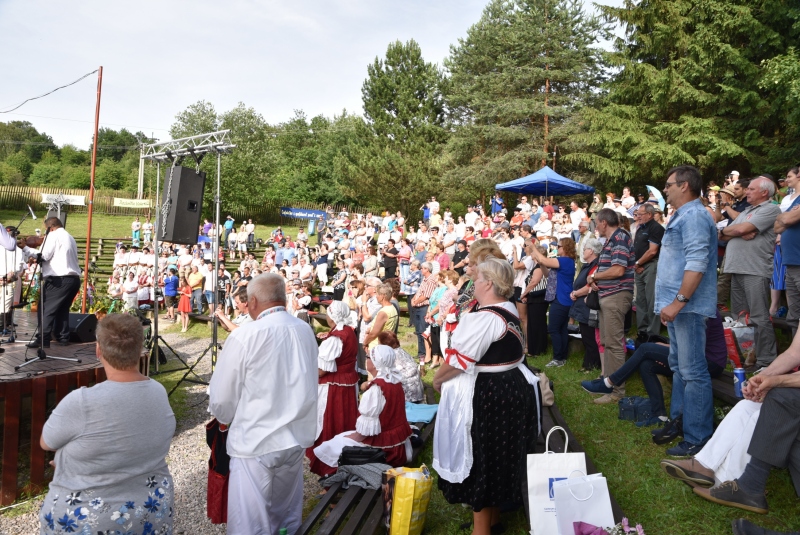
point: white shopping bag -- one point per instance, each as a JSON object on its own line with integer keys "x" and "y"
{"x": 544, "y": 469}
{"x": 582, "y": 499}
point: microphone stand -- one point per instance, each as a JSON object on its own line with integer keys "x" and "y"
{"x": 40, "y": 353}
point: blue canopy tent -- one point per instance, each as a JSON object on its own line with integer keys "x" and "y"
{"x": 546, "y": 182}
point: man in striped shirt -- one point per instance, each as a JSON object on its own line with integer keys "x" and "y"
{"x": 419, "y": 305}
{"x": 614, "y": 284}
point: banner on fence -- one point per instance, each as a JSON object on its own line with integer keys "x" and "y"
{"x": 301, "y": 213}
{"x": 72, "y": 200}
{"x": 132, "y": 203}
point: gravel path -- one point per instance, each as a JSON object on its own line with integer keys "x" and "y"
{"x": 187, "y": 459}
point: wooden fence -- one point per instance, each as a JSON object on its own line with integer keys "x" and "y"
{"x": 19, "y": 197}
{"x": 269, "y": 212}
{"x": 26, "y": 405}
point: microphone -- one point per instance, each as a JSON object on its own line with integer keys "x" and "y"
{"x": 31, "y": 211}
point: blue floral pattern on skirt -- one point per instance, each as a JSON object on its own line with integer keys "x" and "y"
{"x": 90, "y": 512}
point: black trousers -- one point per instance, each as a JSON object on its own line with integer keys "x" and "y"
{"x": 57, "y": 296}
{"x": 776, "y": 438}
{"x": 591, "y": 356}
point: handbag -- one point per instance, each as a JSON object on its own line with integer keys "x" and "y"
{"x": 355, "y": 455}
{"x": 540, "y": 289}
{"x": 582, "y": 499}
{"x": 635, "y": 409}
{"x": 552, "y": 282}
{"x": 592, "y": 300}
{"x": 406, "y": 495}
{"x": 548, "y": 397}
{"x": 544, "y": 469}
{"x": 218, "y": 473}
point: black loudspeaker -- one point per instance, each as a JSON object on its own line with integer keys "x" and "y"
{"x": 82, "y": 328}
{"x": 184, "y": 193}
{"x": 62, "y": 217}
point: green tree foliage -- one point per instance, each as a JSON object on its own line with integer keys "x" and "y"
{"x": 20, "y": 162}
{"x": 393, "y": 157}
{"x": 689, "y": 90}
{"x": 114, "y": 145}
{"x": 45, "y": 174}
{"x": 22, "y": 136}
{"x": 516, "y": 81}
{"x": 198, "y": 118}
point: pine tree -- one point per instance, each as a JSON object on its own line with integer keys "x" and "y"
{"x": 687, "y": 91}
{"x": 393, "y": 158}
{"x": 516, "y": 80}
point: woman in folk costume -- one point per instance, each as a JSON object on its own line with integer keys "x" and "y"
{"x": 382, "y": 421}
{"x": 337, "y": 408}
{"x": 490, "y": 409}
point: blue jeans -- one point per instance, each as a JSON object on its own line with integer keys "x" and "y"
{"x": 691, "y": 382}
{"x": 557, "y": 327}
{"x": 649, "y": 360}
{"x": 405, "y": 270}
{"x": 418, "y": 320}
{"x": 197, "y": 300}
{"x": 209, "y": 299}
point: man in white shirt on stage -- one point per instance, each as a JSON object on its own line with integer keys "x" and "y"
{"x": 62, "y": 280}
{"x": 265, "y": 390}
{"x": 12, "y": 263}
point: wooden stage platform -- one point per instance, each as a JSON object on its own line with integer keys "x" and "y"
{"x": 15, "y": 353}
{"x": 28, "y": 396}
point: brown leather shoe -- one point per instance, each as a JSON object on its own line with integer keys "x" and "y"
{"x": 729, "y": 493}
{"x": 689, "y": 471}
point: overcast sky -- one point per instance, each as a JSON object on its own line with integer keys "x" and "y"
{"x": 158, "y": 57}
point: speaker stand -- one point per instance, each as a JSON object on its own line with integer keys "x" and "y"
{"x": 199, "y": 380}
{"x": 152, "y": 349}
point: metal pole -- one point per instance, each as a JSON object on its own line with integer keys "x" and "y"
{"x": 215, "y": 249}
{"x": 91, "y": 190}
{"x": 154, "y": 347}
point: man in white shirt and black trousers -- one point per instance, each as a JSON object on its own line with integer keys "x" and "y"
{"x": 264, "y": 390}
{"x": 61, "y": 282}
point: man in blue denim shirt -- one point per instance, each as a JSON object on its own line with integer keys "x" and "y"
{"x": 685, "y": 298}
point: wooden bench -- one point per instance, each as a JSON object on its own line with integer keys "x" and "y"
{"x": 360, "y": 510}
{"x": 722, "y": 386}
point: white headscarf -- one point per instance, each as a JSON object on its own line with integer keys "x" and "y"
{"x": 383, "y": 359}
{"x": 339, "y": 313}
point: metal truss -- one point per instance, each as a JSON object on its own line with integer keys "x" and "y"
{"x": 193, "y": 146}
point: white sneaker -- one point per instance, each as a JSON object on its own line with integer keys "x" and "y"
{"x": 555, "y": 363}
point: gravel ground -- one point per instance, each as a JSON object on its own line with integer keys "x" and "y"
{"x": 187, "y": 459}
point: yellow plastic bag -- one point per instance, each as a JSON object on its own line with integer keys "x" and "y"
{"x": 406, "y": 493}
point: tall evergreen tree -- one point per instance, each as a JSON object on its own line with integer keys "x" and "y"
{"x": 394, "y": 155}
{"x": 516, "y": 80}
{"x": 687, "y": 91}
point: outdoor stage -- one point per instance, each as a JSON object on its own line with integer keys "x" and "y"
{"x": 28, "y": 396}
{"x": 15, "y": 354}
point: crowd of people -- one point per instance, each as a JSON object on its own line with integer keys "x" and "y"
{"x": 485, "y": 290}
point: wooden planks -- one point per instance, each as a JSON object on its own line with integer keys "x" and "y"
{"x": 11, "y": 414}
{"x": 39, "y": 388}
{"x": 38, "y": 416}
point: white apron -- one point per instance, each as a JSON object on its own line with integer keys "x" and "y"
{"x": 452, "y": 439}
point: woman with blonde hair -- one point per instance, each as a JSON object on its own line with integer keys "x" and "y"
{"x": 489, "y": 409}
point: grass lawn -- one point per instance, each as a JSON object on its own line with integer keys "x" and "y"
{"x": 624, "y": 453}
{"x": 629, "y": 460}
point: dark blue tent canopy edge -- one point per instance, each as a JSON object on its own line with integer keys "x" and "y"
{"x": 545, "y": 181}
